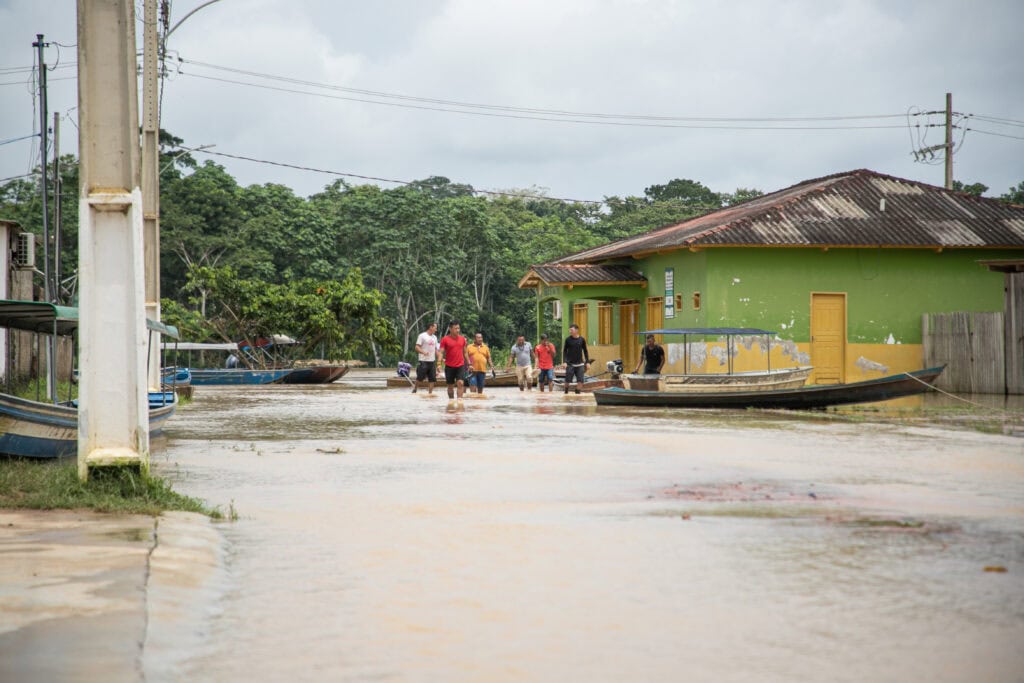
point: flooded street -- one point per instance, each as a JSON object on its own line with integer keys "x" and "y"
{"x": 386, "y": 536}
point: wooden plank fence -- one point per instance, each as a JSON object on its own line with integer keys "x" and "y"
{"x": 1014, "y": 333}
{"x": 972, "y": 345}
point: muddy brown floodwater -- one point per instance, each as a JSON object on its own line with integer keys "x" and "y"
{"x": 386, "y": 536}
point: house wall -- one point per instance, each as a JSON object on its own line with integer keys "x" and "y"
{"x": 887, "y": 291}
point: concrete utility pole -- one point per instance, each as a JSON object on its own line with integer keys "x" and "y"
{"x": 151, "y": 179}
{"x": 113, "y": 419}
{"x": 949, "y": 141}
{"x": 43, "y": 144}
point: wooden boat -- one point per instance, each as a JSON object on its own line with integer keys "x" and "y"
{"x": 881, "y": 389}
{"x": 786, "y": 378}
{"x": 501, "y": 378}
{"x": 41, "y": 429}
{"x": 276, "y": 372}
{"x": 315, "y": 374}
{"x": 34, "y": 429}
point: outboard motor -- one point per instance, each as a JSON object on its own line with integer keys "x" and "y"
{"x": 614, "y": 366}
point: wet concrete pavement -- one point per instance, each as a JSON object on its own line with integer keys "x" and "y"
{"x": 98, "y": 597}
{"x": 523, "y": 537}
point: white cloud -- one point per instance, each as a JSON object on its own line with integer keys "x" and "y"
{"x": 736, "y": 59}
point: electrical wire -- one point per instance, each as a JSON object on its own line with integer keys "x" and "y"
{"x": 1001, "y": 135}
{"x": 996, "y": 119}
{"x": 23, "y": 137}
{"x": 376, "y": 178}
{"x": 629, "y": 124}
{"x": 525, "y": 110}
{"x": 48, "y": 80}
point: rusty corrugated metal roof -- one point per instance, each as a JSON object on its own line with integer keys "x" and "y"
{"x": 854, "y": 209}
{"x": 579, "y": 274}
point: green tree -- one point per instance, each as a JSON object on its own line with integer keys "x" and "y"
{"x": 342, "y": 317}
{"x": 1015, "y": 195}
{"x": 977, "y": 189}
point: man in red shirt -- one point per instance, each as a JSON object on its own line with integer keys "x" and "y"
{"x": 456, "y": 359}
{"x": 545, "y": 353}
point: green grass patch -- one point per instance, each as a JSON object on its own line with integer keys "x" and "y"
{"x": 27, "y": 484}
{"x": 35, "y": 390}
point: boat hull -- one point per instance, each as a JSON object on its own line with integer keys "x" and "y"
{"x": 500, "y": 379}
{"x": 881, "y": 389}
{"x": 319, "y": 374}
{"x": 41, "y": 430}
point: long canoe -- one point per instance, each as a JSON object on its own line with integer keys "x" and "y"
{"x": 318, "y": 374}
{"x": 881, "y": 389}
{"x": 34, "y": 429}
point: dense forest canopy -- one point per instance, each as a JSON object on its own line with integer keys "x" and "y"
{"x": 238, "y": 261}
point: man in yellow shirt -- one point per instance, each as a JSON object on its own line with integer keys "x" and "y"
{"x": 479, "y": 360}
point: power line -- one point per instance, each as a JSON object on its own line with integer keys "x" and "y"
{"x": 48, "y": 80}
{"x": 23, "y": 137}
{"x": 629, "y": 124}
{"x": 377, "y": 178}
{"x": 999, "y": 121}
{"x": 517, "y": 109}
{"x": 1001, "y": 135}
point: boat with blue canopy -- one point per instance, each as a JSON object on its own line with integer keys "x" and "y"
{"x": 49, "y": 428}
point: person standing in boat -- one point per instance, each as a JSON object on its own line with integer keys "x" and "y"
{"x": 522, "y": 356}
{"x": 576, "y": 358}
{"x": 426, "y": 353}
{"x": 232, "y": 362}
{"x": 456, "y": 359}
{"x": 479, "y": 359}
{"x": 652, "y": 355}
{"x": 545, "y": 352}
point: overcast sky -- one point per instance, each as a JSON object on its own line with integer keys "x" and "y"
{"x": 754, "y": 59}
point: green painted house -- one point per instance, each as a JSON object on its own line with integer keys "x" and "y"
{"x": 842, "y": 267}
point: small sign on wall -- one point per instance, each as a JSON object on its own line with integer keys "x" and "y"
{"x": 670, "y": 293}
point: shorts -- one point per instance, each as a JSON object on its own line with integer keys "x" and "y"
{"x": 426, "y": 371}
{"x": 454, "y": 374}
{"x": 577, "y": 372}
{"x": 477, "y": 379}
{"x": 524, "y": 375}
{"x": 546, "y": 375}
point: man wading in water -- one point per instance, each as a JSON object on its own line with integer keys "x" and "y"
{"x": 456, "y": 359}
{"x": 426, "y": 350}
{"x": 576, "y": 357}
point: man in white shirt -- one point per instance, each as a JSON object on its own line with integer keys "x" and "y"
{"x": 426, "y": 349}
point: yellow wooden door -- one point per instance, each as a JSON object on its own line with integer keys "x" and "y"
{"x": 605, "y": 311}
{"x": 655, "y": 316}
{"x": 579, "y": 317}
{"x": 629, "y": 325}
{"x": 828, "y": 338}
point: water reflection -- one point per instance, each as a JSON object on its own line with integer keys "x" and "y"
{"x": 389, "y": 536}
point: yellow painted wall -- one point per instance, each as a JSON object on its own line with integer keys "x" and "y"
{"x": 601, "y": 354}
{"x": 863, "y": 361}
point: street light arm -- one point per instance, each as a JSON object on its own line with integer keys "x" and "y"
{"x": 189, "y": 14}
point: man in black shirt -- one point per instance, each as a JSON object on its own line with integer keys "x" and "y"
{"x": 576, "y": 357}
{"x": 652, "y": 356}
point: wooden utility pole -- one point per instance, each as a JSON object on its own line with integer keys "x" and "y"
{"x": 949, "y": 141}
{"x": 113, "y": 417}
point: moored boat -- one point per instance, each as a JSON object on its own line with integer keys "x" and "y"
{"x": 501, "y": 378}
{"x": 40, "y": 429}
{"x": 807, "y": 397}
{"x": 786, "y": 378}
